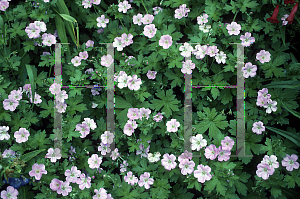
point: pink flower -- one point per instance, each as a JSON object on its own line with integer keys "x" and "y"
{"x": 187, "y": 67}
{"x": 115, "y": 154}
{"x": 200, "y": 51}
{"x": 144, "y": 113}
{"x": 134, "y": 83}
{"x": 55, "y": 184}
{"x": 123, "y": 81}
{"x": 62, "y": 95}
{"x": 172, "y": 126}
{"x": 147, "y": 19}
{"x": 128, "y": 129}
{"x": 137, "y": 19}
{"x": 212, "y": 51}
{"x": 187, "y": 167}
{"x": 133, "y": 113}
{"x": 84, "y": 182}
{"x": 261, "y": 101}
{"x": 150, "y": 30}
{"x": 118, "y": 43}
{"x": 89, "y": 43}
{"x": 126, "y": 39}
{"x": 258, "y": 127}
{"x": 211, "y": 152}
{"x": 100, "y": 194}
{"x": 10, "y": 104}
{"x": 151, "y": 74}
{"x": 186, "y": 50}
{"x": 61, "y": 107}
{"x": 185, "y": 156}
{"x": 158, "y": 117}
{"x": 21, "y": 135}
{"x": 37, "y": 171}
{"x": 263, "y": 56}
{"x": 41, "y": 25}
{"x": 202, "y": 173}
{"x": 87, "y": 3}
{"x": 227, "y": 143}
{"x": 264, "y": 93}
{"x": 96, "y": 2}
{"x": 8, "y": 153}
{"x": 3, "y": 133}
{"x": 202, "y": 19}
{"x": 55, "y": 88}
{"x": 247, "y": 39}
{"x": 264, "y": 170}
{"x": 124, "y": 6}
{"x": 197, "y": 142}
{"x": 37, "y": 98}
{"x": 48, "y": 39}
{"x": 283, "y": 19}
{"x": 102, "y": 21}
{"x": 145, "y": 180}
{"x": 271, "y": 161}
{"x": 233, "y": 28}
{"x": 157, "y": 10}
{"x": 53, "y": 155}
{"x": 15, "y": 95}
{"x": 33, "y": 31}
{"x": 84, "y": 129}
{"x": 271, "y": 106}
{"x": 90, "y": 122}
{"x": 83, "y": 55}
{"x": 130, "y": 179}
{"x": 220, "y": 57}
{"x": 224, "y": 155}
{"x": 11, "y": 192}
{"x": 104, "y": 148}
{"x": 290, "y": 162}
{"x": 65, "y": 188}
{"x": 165, "y": 41}
{"x": 169, "y": 161}
{"x": 249, "y": 69}
{"x": 4, "y": 5}
{"x": 182, "y": 11}
{"x": 94, "y": 161}
{"x": 76, "y": 61}
{"x": 72, "y": 175}
{"x": 107, "y": 137}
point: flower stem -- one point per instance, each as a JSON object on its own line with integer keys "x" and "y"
{"x": 145, "y": 7}
{"x": 234, "y": 16}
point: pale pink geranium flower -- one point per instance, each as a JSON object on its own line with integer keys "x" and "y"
{"x": 233, "y": 28}
{"x": 211, "y": 152}
{"x": 10, "y": 192}
{"x": 202, "y": 173}
{"x": 100, "y": 194}
{"x": 94, "y": 161}
{"x": 157, "y": 10}
{"x": 263, "y": 56}
{"x": 172, "y": 125}
{"x": 224, "y": 155}
{"x": 37, "y": 171}
{"x": 72, "y": 175}
{"x": 197, "y": 142}
{"x": 107, "y": 60}
{"x": 134, "y": 83}
{"x": 53, "y": 154}
{"x": 41, "y": 25}
{"x": 128, "y": 129}
{"x": 37, "y": 98}
{"x": 220, "y": 57}
{"x": 89, "y": 43}
{"x": 165, "y": 41}
{"x": 62, "y": 96}
{"x": 262, "y": 101}
{"x": 129, "y": 58}
{"x": 130, "y": 179}
{"x": 264, "y": 93}
{"x": 118, "y": 43}
{"x": 145, "y": 180}
{"x": 200, "y": 51}
{"x": 21, "y": 135}
{"x": 264, "y": 171}
{"x": 144, "y": 113}
{"x": 55, "y": 184}
{"x": 247, "y": 39}
{"x": 185, "y": 156}
{"x": 87, "y": 4}
{"x": 270, "y": 106}
{"x": 205, "y": 28}
{"x": 3, "y": 133}
{"x": 271, "y": 161}
{"x": 202, "y": 19}
{"x": 83, "y": 55}
{"x": 147, "y": 19}
{"x": 227, "y": 143}
{"x": 65, "y": 188}
{"x": 187, "y": 67}
{"x": 10, "y": 104}
{"x": 107, "y": 137}
{"x": 258, "y": 127}
{"x": 102, "y": 21}
{"x": 137, "y": 19}
{"x": 55, "y": 88}
{"x": 150, "y": 30}
{"x": 84, "y": 182}
{"x": 33, "y": 31}
{"x": 48, "y": 39}
{"x": 133, "y": 113}
{"x": 61, "y": 107}
{"x": 124, "y": 6}
{"x": 104, "y": 148}
{"x": 186, "y": 50}
{"x": 84, "y": 129}
{"x": 76, "y": 61}
{"x": 158, "y": 117}
{"x": 96, "y": 2}
{"x": 4, "y": 5}
{"x": 126, "y": 39}
{"x": 182, "y": 11}
{"x": 169, "y": 161}
{"x": 249, "y": 69}
{"x": 212, "y": 51}
{"x": 151, "y": 74}
{"x": 283, "y": 19}
{"x": 115, "y": 154}
{"x": 186, "y": 167}
{"x": 290, "y": 162}
{"x": 123, "y": 81}
{"x": 8, "y": 153}
{"x": 15, "y": 94}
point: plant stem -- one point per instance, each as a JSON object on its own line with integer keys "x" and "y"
{"x": 234, "y": 16}
{"x": 145, "y": 7}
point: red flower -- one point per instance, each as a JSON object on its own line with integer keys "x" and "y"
{"x": 292, "y": 14}
{"x": 288, "y": 1}
{"x": 274, "y": 19}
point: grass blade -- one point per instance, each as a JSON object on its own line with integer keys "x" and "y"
{"x": 293, "y": 138}
{"x": 291, "y": 111}
{"x": 31, "y": 79}
{"x": 284, "y": 84}
{"x": 61, "y": 31}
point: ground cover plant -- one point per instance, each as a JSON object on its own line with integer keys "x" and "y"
{"x": 154, "y": 48}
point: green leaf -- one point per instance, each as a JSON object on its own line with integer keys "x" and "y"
{"x": 214, "y": 182}
{"x": 284, "y": 84}
{"x": 290, "y": 110}
{"x": 175, "y": 77}
{"x": 28, "y": 156}
{"x": 160, "y": 188}
{"x": 248, "y": 4}
{"x": 49, "y": 109}
{"x": 29, "y": 45}
{"x": 61, "y": 31}
{"x": 241, "y": 187}
{"x": 290, "y": 181}
{"x": 293, "y": 138}
{"x": 68, "y": 18}
{"x": 17, "y": 29}
{"x": 276, "y": 192}
{"x": 73, "y": 105}
{"x": 31, "y": 79}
